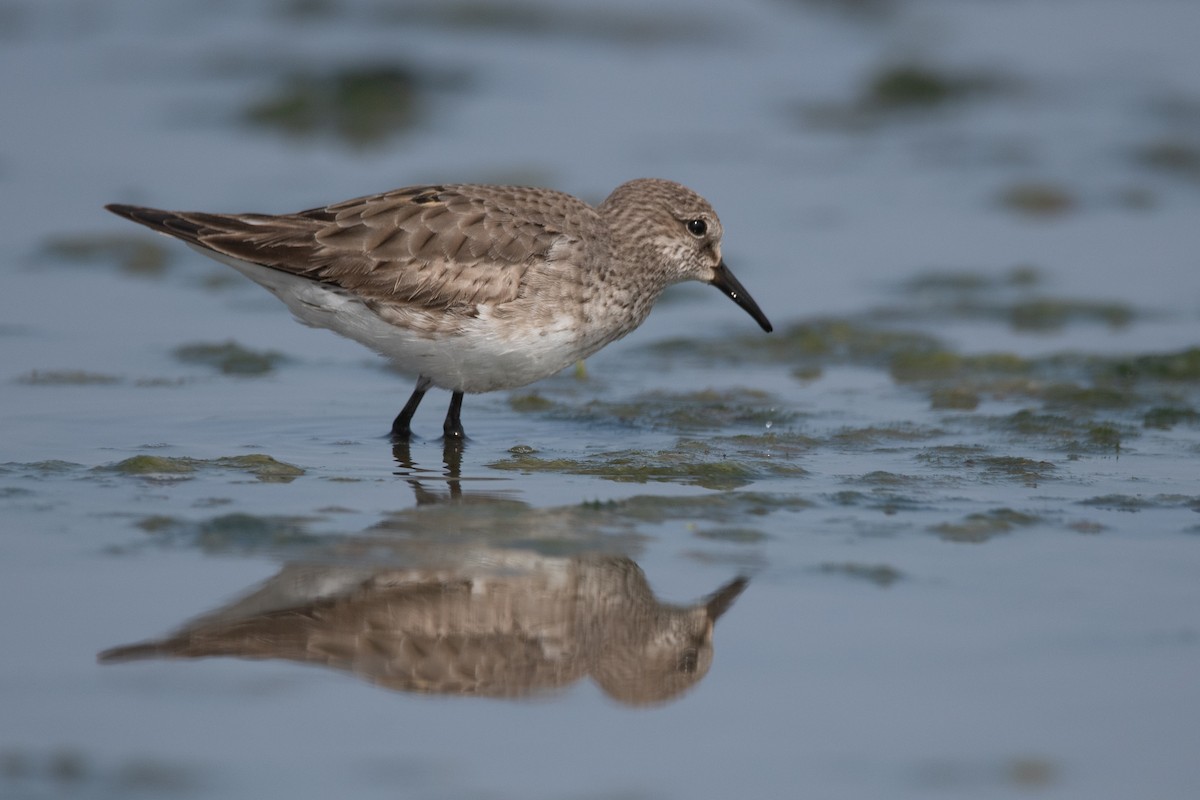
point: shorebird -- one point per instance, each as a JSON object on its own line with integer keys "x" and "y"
{"x": 524, "y": 625}
{"x": 472, "y": 288}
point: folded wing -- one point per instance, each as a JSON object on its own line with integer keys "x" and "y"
{"x": 436, "y": 247}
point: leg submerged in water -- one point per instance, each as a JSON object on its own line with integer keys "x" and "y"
{"x": 453, "y": 425}
{"x": 402, "y": 425}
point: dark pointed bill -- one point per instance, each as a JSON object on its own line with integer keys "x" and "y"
{"x": 719, "y": 601}
{"x": 734, "y": 290}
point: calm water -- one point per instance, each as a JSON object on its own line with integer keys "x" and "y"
{"x": 960, "y": 478}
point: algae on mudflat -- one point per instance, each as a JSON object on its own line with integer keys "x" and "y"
{"x": 360, "y": 106}
{"x": 132, "y": 253}
{"x": 261, "y": 466}
{"x": 230, "y": 357}
{"x": 979, "y": 527}
{"x": 690, "y": 462}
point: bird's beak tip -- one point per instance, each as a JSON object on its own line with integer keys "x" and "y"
{"x": 719, "y": 601}
{"x": 724, "y": 280}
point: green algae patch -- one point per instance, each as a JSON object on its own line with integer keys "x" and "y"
{"x": 359, "y": 106}
{"x": 1011, "y": 297}
{"x": 1037, "y": 199}
{"x": 876, "y": 435}
{"x": 599, "y": 23}
{"x": 1104, "y": 435}
{"x": 733, "y": 535}
{"x": 229, "y": 533}
{"x": 729, "y": 507}
{"x": 881, "y": 575}
{"x": 1080, "y": 399}
{"x": 956, "y": 398}
{"x": 921, "y": 87}
{"x": 249, "y": 532}
{"x": 1067, "y": 433}
{"x": 926, "y": 365}
{"x": 961, "y": 458}
{"x": 1171, "y": 157}
{"x": 943, "y": 283}
{"x": 1031, "y": 773}
{"x": 901, "y": 91}
{"x": 976, "y": 528}
{"x": 706, "y": 409}
{"x": 229, "y": 357}
{"x": 1118, "y": 502}
{"x": 782, "y": 443}
{"x": 682, "y": 411}
{"x": 937, "y": 364}
{"x": 849, "y": 341}
{"x": 63, "y": 770}
{"x": 1052, "y": 314}
{"x": 633, "y": 466}
{"x": 532, "y": 402}
{"x": 884, "y": 478}
{"x": 1029, "y": 422}
{"x": 807, "y": 373}
{"x": 39, "y": 468}
{"x": 263, "y": 467}
{"x": 807, "y": 345}
{"x": 959, "y": 382}
{"x": 154, "y": 465}
{"x": 133, "y": 254}
{"x": 157, "y": 522}
{"x": 1027, "y": 470}
{"x": 1134, "y": 503}
{"x": 878, "y": 499}
{"x": 690, "y": 463}
{"x": 1167, "y": 417}
{"x": 67, "y": 377}
{"x": 1183, "y": 366}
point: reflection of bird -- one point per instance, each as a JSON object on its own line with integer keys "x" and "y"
{"x": 524, "y": 625}
{"x": 472, "y": 288}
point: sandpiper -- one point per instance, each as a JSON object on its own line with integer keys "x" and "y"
{"x": 472, "y": 288}
{"x": 499, "y": 623}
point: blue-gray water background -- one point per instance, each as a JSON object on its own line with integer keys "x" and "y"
{"x": 961, "y": 476}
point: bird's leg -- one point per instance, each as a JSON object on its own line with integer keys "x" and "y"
{"x": 453, "y": 425}
{"x": 401, "y": 426}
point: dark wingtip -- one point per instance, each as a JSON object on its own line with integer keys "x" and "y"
{"x": 129, "y": 652}
{"x": 172, "y": 223}
{"x": 122, "y": 210}
{"x": 153, "y": 217}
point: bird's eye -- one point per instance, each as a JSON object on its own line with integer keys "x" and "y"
{"x": 697, "y": 227}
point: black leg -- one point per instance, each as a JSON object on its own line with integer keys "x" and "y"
{"x": 402, "y": 425}
{"x": 453, "y": 426}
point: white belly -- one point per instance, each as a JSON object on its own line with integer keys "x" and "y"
{"x": 481, "y": 354}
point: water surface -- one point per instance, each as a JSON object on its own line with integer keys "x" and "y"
{"x": 959, "y": 478}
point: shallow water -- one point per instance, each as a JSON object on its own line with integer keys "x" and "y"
{"x": 959, "y": 477}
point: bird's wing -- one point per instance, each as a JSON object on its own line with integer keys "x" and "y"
{"x": 417, "y": 638}
{"x": 434, "y": 247}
